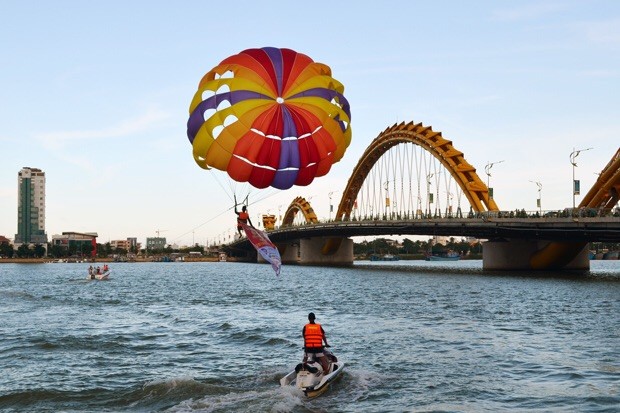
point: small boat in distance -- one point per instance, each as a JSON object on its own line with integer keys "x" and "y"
{"x": 385, "y": 257}
{"x": 444, "y": 256}
{"x": 98, "y": 273}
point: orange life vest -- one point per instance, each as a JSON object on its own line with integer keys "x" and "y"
{"x": 243, "y": 217}
{"x": 313, "y": 337}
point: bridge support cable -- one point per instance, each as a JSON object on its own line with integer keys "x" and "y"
{"x": 406, "y": 182}
{"x": 408, "y": 168}
{"x": 430, "y": 145}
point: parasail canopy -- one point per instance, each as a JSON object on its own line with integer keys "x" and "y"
{"x": 270, "y": 117}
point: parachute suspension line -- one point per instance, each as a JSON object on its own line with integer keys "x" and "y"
{"x": 204, "y": 223}
{"x": 228, "y": 192}
{"x": 266, "y": 196}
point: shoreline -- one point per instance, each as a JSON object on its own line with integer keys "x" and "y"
{"x": 98, "y": 260}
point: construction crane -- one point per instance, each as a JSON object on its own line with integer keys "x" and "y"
{"x": 160, "y": 230}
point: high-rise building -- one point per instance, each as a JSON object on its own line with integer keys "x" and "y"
{"x": 31, "y": 207}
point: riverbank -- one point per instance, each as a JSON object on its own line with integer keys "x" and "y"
{"x": 98, "y": 260}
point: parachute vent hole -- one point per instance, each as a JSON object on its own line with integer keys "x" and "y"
{"x": 222, "y": 89}
{"x": 208, "y": 113}
{"x": 206, "y": 94}
{"x": 216, "y": 131}
{"x": 229, "y": 74}
{"x": 230, "y": 119}
{"x": 336, "y": 103}
{"x": 279, "y": 100}
{"x": 223, "y": 105}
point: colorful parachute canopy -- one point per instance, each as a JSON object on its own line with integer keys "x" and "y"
{"x": 264, "y": 246}
{"x": 270, "y": 117}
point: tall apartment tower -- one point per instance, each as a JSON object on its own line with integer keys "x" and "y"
{"x": 31, "y": 207}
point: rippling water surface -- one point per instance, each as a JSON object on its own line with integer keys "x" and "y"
{"x": 216, "y": 337}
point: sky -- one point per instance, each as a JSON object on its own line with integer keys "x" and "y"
{"x": 97, "y": 94}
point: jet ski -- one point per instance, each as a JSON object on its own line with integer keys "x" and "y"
{"x": 309, "y": 376}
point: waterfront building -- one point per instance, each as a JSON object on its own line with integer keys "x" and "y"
{"x": 30, "y": 207}
{"x": 77, "y": 243}
{"x": 156, "y": 243}
{"x": 123, "y": 244}
{"x": 133, "y": 243}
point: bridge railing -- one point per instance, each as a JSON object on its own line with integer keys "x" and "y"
{"x": 518, "y": 213}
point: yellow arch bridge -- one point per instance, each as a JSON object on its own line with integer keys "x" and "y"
{"x": 413, "y": 181}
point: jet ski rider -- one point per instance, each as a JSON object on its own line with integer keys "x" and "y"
{"x": 314, "y": 336}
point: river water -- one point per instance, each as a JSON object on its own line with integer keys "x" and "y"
{"x": 216, "y": 337}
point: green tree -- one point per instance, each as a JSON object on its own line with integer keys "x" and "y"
{"x": 38, "y": 251}
{"x": 6, "y": 250}
{"x": 409, "y": 246}
{"x": 57, "y": 251}
{"x": 23, "y": 251}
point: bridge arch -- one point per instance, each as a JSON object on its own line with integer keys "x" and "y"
{"x": 605, "y": 193}
{"x": 433, "y": 142}
{"x": 299, "y": 204}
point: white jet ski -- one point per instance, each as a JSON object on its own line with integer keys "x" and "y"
{"x": 309, "y": 377}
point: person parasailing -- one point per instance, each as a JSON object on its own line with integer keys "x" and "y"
{"x": 243, "y": 217}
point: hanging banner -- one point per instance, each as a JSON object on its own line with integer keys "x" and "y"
{"x": 264, "y": 246}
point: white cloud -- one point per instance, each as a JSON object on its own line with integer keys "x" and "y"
{"x": 149, "y": 120}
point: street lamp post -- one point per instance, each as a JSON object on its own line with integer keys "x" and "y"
{"x": 429, "y": 196}
{"x": 386, "y": 186}
{"x": 539, "y": 185}
{"x": 573, "y": 155}
{"x": 487, "y": 170}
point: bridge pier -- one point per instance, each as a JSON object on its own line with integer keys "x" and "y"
{"x": 516, "y": 254}
{"x": 308, "y": 251}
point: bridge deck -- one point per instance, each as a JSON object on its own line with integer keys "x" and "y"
{"x": 604, "y": 229}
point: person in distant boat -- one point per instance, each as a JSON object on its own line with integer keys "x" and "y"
{"x": 105, "y": 268}
{"x": 314, "y": 336}
{"x": 91, "y": 272}
{"x": 98, "y": 269}
{"x": 243, "y": 217}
